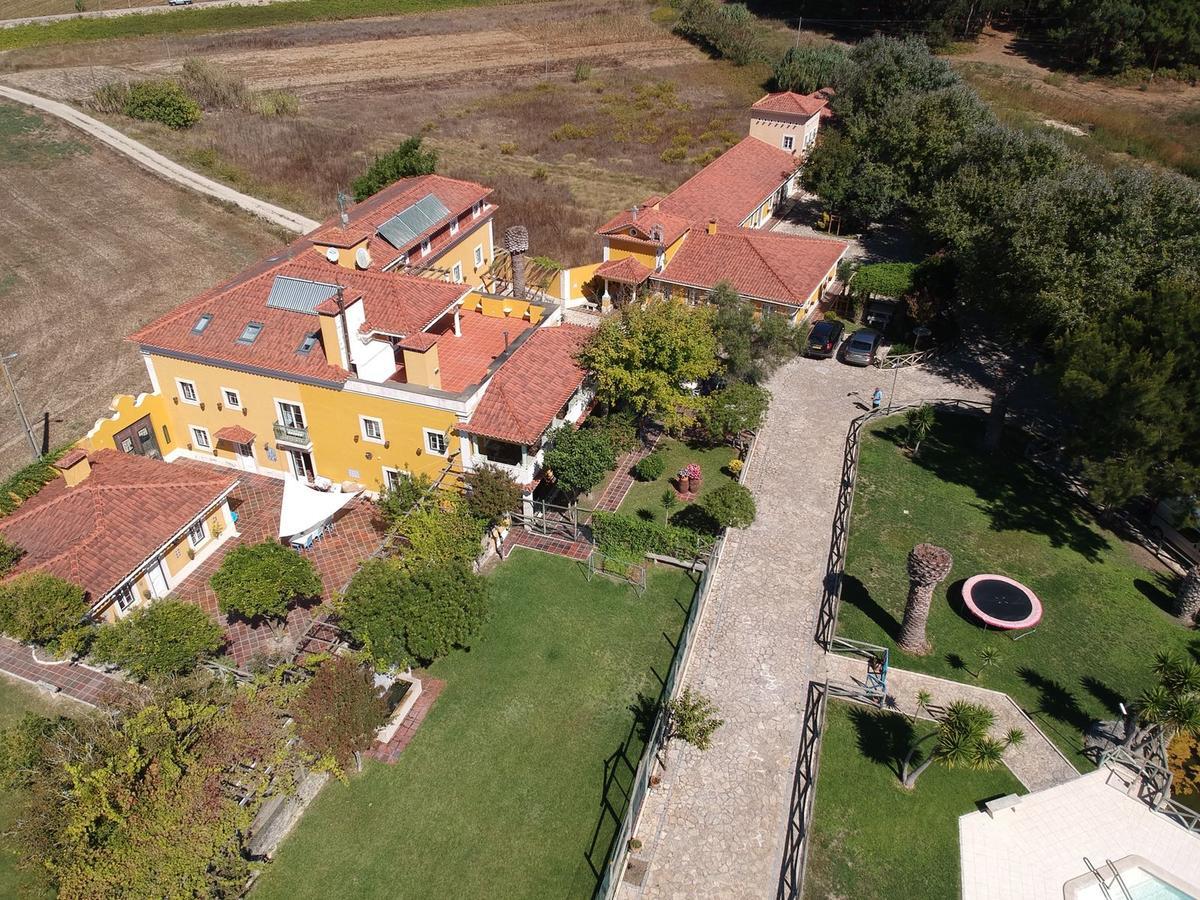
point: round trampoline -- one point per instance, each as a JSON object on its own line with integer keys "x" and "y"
{"x": 1001, "y": 602}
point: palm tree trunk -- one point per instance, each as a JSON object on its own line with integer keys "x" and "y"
{"x": 910, "y": 778}
{"x": 1187, "y": 599}
{"x": 916, "y": 615}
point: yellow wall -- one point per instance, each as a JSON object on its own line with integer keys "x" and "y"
{"x": 674, "y": 248}
{"x": 464, "y": 252}
{"x": 345, "y": 254}
{"x": 331, "y": 416}
{"x": 494, "y": 307}
{"x": 619, "y": 249}
{"x": 578, "y": 277}
{"x": 176, "y": 556}
{"x": 127, "y": 409}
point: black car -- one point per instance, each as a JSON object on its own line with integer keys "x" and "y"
{"x": 823, "y": 339}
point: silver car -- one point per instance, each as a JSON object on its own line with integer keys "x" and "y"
{"x": 861, "y": 348}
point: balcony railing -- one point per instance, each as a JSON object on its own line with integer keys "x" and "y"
{"x": 292, "y": 434}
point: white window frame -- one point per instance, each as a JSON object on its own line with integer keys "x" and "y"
{"x": 179, "y": 383}
{"x": 479, "y": 257}
{"x": 362, "y": 427}
{"x": 477, "y": 209}
{"x": 441, "y": 436}
{"x": 237, "y": 396}
{"x": 789, "y": 142}
{"x": 454, "y": 227}
{"x": 125, "y": 598}
{"x": 296, "y": 403}
{"x": 390, "y": 472}
{"x": 196, "y": 431}
{"x": 456, "y": 273}
{"x": 425, "y": 247}
{"x": 193, "y": 542}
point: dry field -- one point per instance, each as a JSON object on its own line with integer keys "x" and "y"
{"x": 566, "y": 108}
{"x": 94, "y": 247}
{"x": 19, "y": 9}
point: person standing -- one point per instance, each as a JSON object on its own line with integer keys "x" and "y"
{"x": 877, "y": 399}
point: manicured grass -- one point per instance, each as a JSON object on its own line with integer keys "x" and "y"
{"x": 712, "y": 462}
{"x": 16, "y": 699}
{"x": 504, "y": 791}
{"x": 1105, "y": 614}
{"x": 871, "y": 838}
{"x": 199, "y": 19}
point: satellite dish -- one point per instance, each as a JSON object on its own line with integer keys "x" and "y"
{"x": 332, "y": 254}
{"x": 362, "y": 258}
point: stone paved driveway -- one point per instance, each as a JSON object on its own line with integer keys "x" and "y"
{"x": 716, "y": 826}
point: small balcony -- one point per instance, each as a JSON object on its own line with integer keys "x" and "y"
{"x": 292, "y": 435}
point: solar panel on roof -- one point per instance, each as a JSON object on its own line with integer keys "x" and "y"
{"x": 298, "y": 294}
{"x": 406, "y": 226}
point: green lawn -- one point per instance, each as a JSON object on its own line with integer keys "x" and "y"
{"x": 16, "y": 699}
{"x": 871, "y": 838}
{"x": 1104, "y": 612}
{"x": 501, "y": 793}
{"x": 712, "y": 462}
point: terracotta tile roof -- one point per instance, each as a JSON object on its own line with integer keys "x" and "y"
{"x": 365, "y": 218}
{"x": 65, "y": 462}
{"x": 396, "y": 303}
{"x": 235, "y": 434}
{"x": 419, "y": 342}
{"x": 732, "y": 186}
{"x": 784, "y": 268}
{"x": 98, "y": 532}
{"x": 790, "y": 103}
{"x": 627, "y": 270}
{"x": 642, "y": 225}
{"x": 531, "y": 387}
{"x": 465, "y": 359}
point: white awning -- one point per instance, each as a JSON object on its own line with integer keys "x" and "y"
{"x": 304, "y": 509}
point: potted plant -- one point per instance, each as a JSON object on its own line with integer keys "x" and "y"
{"x": 634, "y": 845}
{"x": 689, "y": 478}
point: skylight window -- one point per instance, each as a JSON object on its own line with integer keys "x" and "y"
{"x": 250, "y": 333}
{"x": 201, "y": 323}
{"x": 308, "y": 343}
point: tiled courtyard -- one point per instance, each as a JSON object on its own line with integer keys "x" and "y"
{"x": 256, "y": 500}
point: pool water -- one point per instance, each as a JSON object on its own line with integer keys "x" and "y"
{"x": 1142, "y": 886}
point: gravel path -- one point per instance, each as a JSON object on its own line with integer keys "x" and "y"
{"x": 130, "y": 11}
{"x": 161, "y": 165}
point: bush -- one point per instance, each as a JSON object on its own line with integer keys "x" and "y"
{"x": 395, "y": 503}
{"x": 620, "y": 428}
{"x": 340, "y": 709}
{"x": 737, "y": 408}
{"x": 110, "y": 97}
{"x": 730, "y": 506}
{"x": 10, "y": 555}
{"x": 167, "y": 638}
{"x": 165, "y": 102}
{"x": 650, "y": 468}
{"x": 404, "y": 614}
{"x": 269, "y": 104}
{"x": 627, "y": 536}
{"x": 211, "y": 86}
{"x": 808, "y": 69}
{"x": 263, "y": 580}
{"x": 26, "y": 482}
{"x": 729, "y": 30}
{"x": 442, "y": 531}
{"x": 405, "y": 161}
{"x": 579, "y": 458}
{"x": 38, "y": 608}
{"x": 492, "y": 494}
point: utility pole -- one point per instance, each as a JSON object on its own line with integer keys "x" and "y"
{"x": 4, "y": 360}
{"x": 799, "y": 27}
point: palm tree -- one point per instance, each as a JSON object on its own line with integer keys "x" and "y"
{"x": 961, "y": 739}
{"x": 1171, "y": 706}
{"x": 927, "y": 566}
{"x": 920, "y": 422}
{"x": 1187, "y": 598}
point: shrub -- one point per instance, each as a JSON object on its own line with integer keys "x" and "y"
{"x": 10, "y": 555}
{"x": 572, "y": 132}
{"x": 579, "y": 458}
{"x": 263, "y": 580}
{"x": 404, "y": 614}
{"x": 26, "y": 482}
{"x": 808, "y": 69}
{"x": 737, "y": 408}
{"x": 39, "y": 608}
{"x": 884, "y": 279}
{"x": 167, "y": 638}
{"x": 650, "y": 468}
{"x": 110, "y": 97}
{"x": 582, "y": 72}
{"x": 269, "y": 104}
{"x": 395, "y": 503}
{"x": 492, "y": 494}
{"x": 507, "y": 148}
{"x": 442, "y": 531}
{"x": 621, "y": 535}
{"x": 728, "y": 30}
{"x": 165, "y": 102}
{"x": 620, "y": 428}
{"x": 693, "y": 718}
{"x": 405, "y": 161}
{"x": 212, "y": 86}
{"x": 735, "y": 467}
{"x": 730, "y": 506}
{"x": 340, "y": 709}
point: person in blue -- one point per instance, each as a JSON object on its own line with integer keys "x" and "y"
{"x": 877, "y": 399}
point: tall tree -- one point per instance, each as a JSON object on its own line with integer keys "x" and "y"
{"x": 927, "y": 567}
{"x": 1187, "y": 597}
{"x": 263, "y": 581}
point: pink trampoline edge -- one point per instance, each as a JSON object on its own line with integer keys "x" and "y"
{"x": 1029, "y": 621}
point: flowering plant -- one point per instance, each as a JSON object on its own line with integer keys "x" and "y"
{"x": 691, "y": 470}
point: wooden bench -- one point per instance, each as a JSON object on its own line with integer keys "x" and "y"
{"x": 1008, "y": 801}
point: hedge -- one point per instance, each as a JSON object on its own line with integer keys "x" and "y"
{"x": 26, "y": 482}
{"x": 622, "y": 535}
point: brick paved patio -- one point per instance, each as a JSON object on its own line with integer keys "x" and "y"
{"x": 519, "y": 537}
{"x": 81, "y": 683}
{"x": 256, "y": 500}
{"x": 614, "y": 492}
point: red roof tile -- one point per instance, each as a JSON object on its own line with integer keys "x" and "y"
{"x": 235, "y": 434}
{"x": 732, "y": 186}
{"x": 410, "y": 305}
{"x": 531, "y": 387}
{"x": 627, "y": 270}
{"x": 466, "y": 359}
{"x": 419, "y": 342}
{"x": 784, "y": 268}
{"x": 98, "y": 532}
{"x": 642, "y": 225}
{"x": 65, "y": 462}
{"x": 790, "y": 103}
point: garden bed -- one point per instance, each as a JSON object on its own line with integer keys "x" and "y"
{"x": 647, "y": 495}
{"x": 1105, "y": 613}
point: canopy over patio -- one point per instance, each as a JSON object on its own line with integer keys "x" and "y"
{"x": 305, "y": 510}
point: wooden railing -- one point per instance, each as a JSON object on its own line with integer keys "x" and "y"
{"x": 904, "y": 360}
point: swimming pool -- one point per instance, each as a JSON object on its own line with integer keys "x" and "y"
{"x": 1143, "y": 879}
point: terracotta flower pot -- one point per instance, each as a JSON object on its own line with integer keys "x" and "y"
{"x": 685, "y": 484}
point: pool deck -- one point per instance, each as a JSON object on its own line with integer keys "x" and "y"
{"x": 1037, "y": 846}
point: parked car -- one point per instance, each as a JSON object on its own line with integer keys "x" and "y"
{"x": 861, "y": 348}
{"x": 1176, "y": 528}
{"x": 823, "y": 339}
{"x": 179, "y": 2}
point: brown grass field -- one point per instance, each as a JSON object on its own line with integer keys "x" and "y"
{"x": 94, "y": 247}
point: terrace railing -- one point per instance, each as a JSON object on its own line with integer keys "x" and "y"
{"x": 904, "y": 360}
{"x": 795, "y": 847}
{"x": 1154, "y": 787}
{"x": 291, "y": 434}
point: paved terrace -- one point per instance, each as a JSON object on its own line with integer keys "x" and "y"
{"x": 717, "y": 826}
{"x": 257, "y": 499}
{"x": 79, "y": 682}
